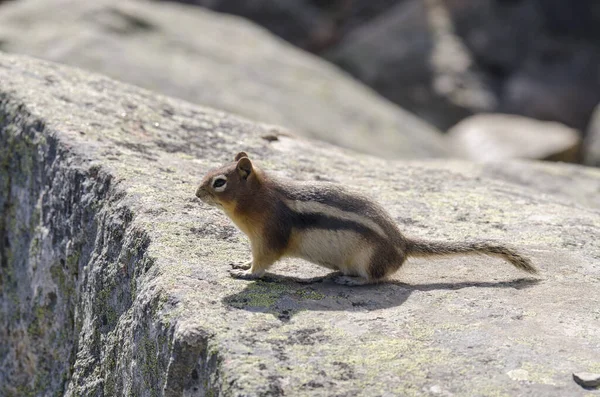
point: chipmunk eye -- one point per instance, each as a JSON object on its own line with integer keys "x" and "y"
{"x": 219, "y": 182}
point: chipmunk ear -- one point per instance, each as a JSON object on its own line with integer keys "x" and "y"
{"x": 244, "y": 167}
{"x": 240, "y": 155}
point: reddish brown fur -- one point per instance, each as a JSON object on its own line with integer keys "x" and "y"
{"x": 248, "y": 202}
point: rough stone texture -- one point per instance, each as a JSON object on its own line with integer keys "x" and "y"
{"x": 501, "y": 136}
{"x": 114, "y": 278}
{"x": 569, "y": 182}
{"x": 591, "y": 147}
{"x": 219, "y": 61}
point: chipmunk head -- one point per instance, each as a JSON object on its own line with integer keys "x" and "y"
{"x": 223, "y": 186}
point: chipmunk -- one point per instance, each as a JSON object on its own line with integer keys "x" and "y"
{"x": 321, "y": 223}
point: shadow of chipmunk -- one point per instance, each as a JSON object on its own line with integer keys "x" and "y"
{"x": 284, "y": 296}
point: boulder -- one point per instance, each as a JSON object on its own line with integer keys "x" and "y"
{"x": 446, "y": 59}
{"x": 411, "y": 57}
{"x": 541, "y": 55}
{"x": 114, "y": 277}
{"x": 591, "y": 146}
{"x": 309, "y": 24}
{"x": 218, "y": 61}
{"x": 486, "y": 137}
{"x": 569, "y": 182}
{"x": 558, "y": 82}
{"x": 300, "y": 22}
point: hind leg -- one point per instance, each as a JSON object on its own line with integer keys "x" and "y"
{"x": 387, "y": 262}
{"x": 357, "y": 273}
{"x": 374, "y": 268}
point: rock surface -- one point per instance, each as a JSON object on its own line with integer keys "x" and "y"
{"x": 587, "y": 379}
{"x": 298, "y": 21}
{"x": 568, "y": 182}
{"x": 309, "y": 24}
{"x": 218, "y": 61}
{"x": 591, "y": 147}
{"x": 114, "y": 278}
{"x": 485, "y": 137}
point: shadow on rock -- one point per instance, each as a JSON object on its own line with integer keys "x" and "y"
{"x": 285, "y": 296}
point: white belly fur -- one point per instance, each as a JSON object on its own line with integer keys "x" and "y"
{"x": 342, "y": 250}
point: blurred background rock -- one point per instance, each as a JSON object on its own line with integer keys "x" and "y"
{"x": 537, "y": 58}
{"x": 441, "y": 60}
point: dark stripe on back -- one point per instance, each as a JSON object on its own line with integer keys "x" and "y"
{"x": 279, "y": 229}
{"x": 305, "y": 221}
{"x": 338, "y": 197}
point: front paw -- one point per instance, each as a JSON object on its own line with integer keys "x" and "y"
{"x": 242, "y": 266}
{"x": 243, "y": 274}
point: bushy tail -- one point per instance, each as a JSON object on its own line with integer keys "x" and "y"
{"x": 430, "y": 248}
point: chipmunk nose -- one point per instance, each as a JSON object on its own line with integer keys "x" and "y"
{"x": 199, "y": 192}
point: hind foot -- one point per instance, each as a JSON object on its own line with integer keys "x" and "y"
{"x": 351, "y": 281}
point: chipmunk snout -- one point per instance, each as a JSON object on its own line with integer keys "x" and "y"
{"x": 205, "y": 196}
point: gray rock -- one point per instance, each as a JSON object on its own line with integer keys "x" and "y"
{"x": 591, "y": 144}
{"x": 569, "y": 182}
{"x": 309, "y": 24}
{"x": 587, "y": 379}
{"x": 300, "y": 22}
{"x": 558, "y": 82}
{"x": 485, "y": 137}
{"x": 218, "y": 61}
{"x": 541, "y": 55}
{"x": 411, "y": 56}
{"x": 530, "y": 58}
{"x": 578, "y": 20}
{"x": 114, "y": 278}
